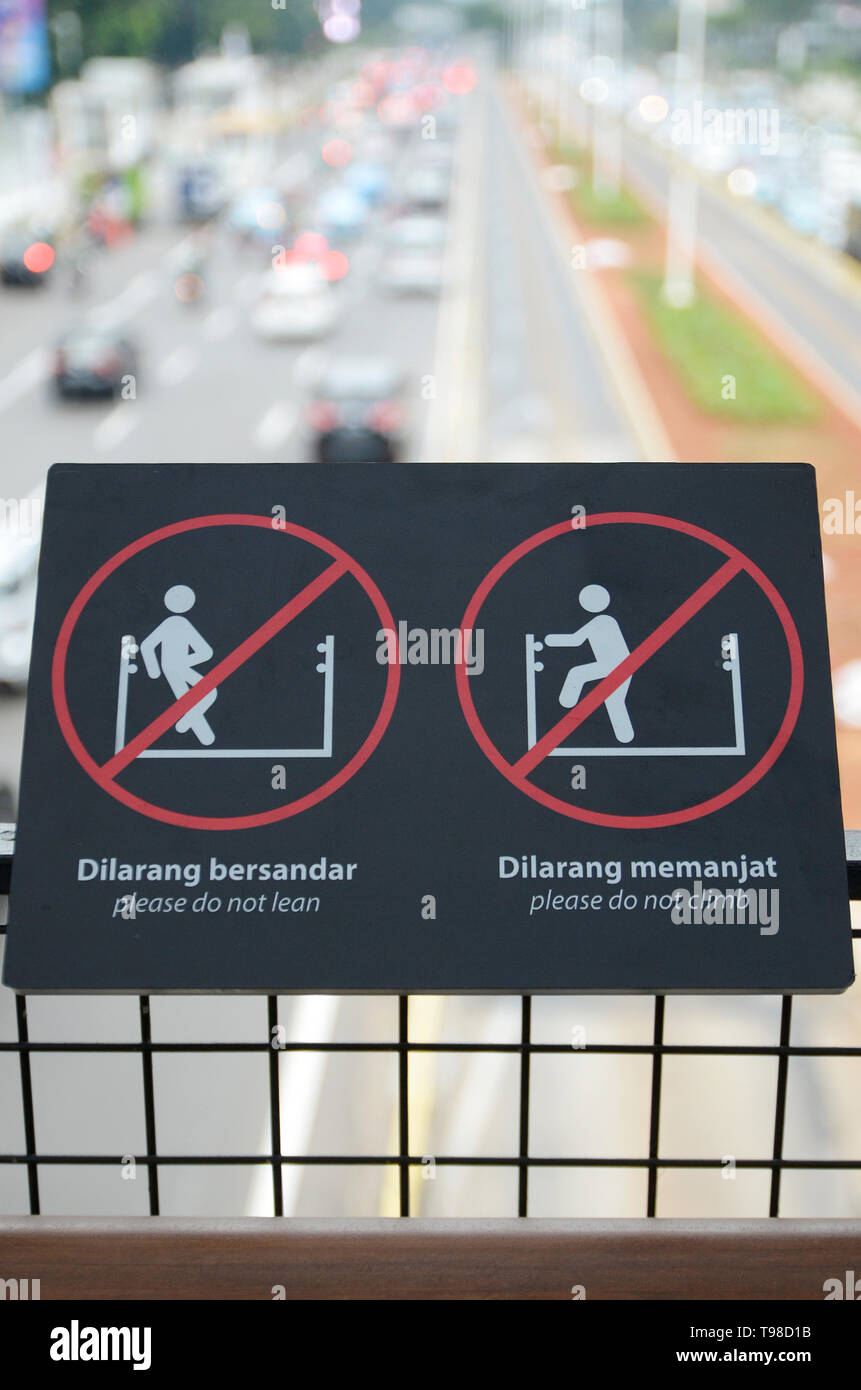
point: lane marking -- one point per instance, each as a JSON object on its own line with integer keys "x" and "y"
{"x": 220, "y": 323}
{"x": 301, "y": 1079}
{"x": 625, "y": 384}
{"x": 245, "y": 287}
{"x": 29, "y": 372}
{"x": 310, "y": 365}
{"x": 453, "y": 433}
{"x": 275, "y": 425}
{"x": 115, "y": 427}
{"x": 478, "y": 1100}
{"x": 177, "y": 365}
{"x": 136, "y": 294}
{"x": 177, "y": 253}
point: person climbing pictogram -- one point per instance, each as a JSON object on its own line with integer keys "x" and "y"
{"x": 609, "y": 647}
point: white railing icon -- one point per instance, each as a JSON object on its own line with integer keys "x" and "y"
{"x": 129, "y": 668}
{"x": 730, "y": 662}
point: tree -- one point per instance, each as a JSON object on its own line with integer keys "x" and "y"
{"x": 173, "y": 31}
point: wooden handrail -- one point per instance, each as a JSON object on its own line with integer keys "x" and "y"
{"x": 163, "y": 1258}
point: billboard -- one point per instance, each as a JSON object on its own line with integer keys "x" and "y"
{"x": 25, "y": 57}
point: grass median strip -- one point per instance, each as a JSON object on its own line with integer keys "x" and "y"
{"x": 610, "y": 208}
{"x": 724, "y": 365}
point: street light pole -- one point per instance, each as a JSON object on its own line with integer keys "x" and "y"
{"x": 678, "y": 287}
{"x": 606, "y": 123}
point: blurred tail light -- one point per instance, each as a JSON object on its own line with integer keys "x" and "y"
{"x": 38, "y": 257}
{"x": 59, "y": 362}
{"x": 385, "y": 417}
{"x": 322, "y": 416}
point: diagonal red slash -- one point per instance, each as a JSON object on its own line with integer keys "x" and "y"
{"x": 632, "y": 662}
{"x": 225, "y": 668}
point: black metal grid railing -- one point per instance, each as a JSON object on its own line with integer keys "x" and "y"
{"x": 405, "y": 1047}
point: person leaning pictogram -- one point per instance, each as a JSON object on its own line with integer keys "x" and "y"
{"x": 182, "y": 649}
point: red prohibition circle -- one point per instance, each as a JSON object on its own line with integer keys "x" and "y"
{"x": 687, "y": 813}
{"x": 160, "y": 813}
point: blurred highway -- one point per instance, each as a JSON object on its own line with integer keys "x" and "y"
{"x": 506, "y": 355}
{"x": 551, "y": 393}
{"x": 535, "y": 378}
{"x": 813, "y": 307}
{"x": 208, "y": 388}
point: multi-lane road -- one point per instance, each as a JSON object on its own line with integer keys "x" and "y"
{"x": 513, "y": 362}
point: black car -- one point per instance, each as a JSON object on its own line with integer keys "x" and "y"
{"x": 25, "y": 260}
{"x": 357, "y": 414}
{"x": 92, "y": 362}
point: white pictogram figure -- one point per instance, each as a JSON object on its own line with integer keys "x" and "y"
{"x": 609, "y": 647}
{"x": 182, "y": 649}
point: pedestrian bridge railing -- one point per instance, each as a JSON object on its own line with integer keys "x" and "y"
{"x": 651, "y": 1257}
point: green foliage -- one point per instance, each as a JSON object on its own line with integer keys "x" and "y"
{"x": 751, "y": 13}
{"x": 605, "y": 209}
{"x": 173, "y": 31}
{"x": 485, "y": 14}
{"x": 708, "y": 342}
{"x": 619, "y": 209}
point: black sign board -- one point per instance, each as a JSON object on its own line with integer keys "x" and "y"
{"x": 430, "y": 728}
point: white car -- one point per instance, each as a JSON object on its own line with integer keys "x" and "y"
{"x": 414, "y": 257}
{"x": 426, "y": 188}
{"x": 258, "y": 214}
{"x": 295, "y": 302}
{"x": 19, "y": 557}
{"x": 340, "y": 213}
